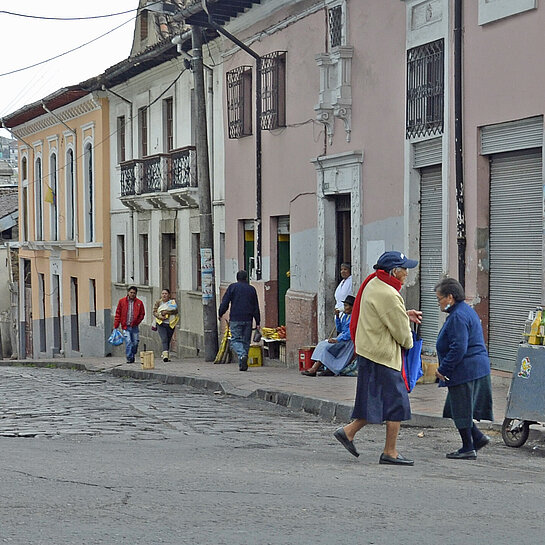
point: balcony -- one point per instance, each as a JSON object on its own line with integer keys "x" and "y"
{"x": 165, "y": 180}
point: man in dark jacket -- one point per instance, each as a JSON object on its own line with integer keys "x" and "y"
{"x": 244, "y": 309}
{"x": 129, "y": 313}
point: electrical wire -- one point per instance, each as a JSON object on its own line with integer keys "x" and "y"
{"x": 26, "y": 15}
{"x": 66, "y": 52}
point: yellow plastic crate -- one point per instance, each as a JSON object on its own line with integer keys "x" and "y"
{"x": 255, "y": 356}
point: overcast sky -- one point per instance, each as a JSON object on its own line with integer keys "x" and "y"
{"x": 25, "y": 41}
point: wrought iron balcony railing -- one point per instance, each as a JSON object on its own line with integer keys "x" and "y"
{"x": 130, "y": 175}
{"x": 183, "y": 168}
{"x": 159, "y": 173}
{"x": 154, "y": 173}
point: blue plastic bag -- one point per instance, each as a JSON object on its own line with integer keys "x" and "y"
{"x": 116, "y": 338}
{"x": 411, "y": 368}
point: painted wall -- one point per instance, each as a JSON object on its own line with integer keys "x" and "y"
{"x": 502, "y": 79}
{"x": 148, "y": 90}
{"x": 73, "y": 257}
{"x": 376, "y": 32}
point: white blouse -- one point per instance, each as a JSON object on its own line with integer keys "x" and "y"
{"x": 343, "y": 289}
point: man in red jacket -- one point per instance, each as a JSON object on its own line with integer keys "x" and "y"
{"x": 129, "y": 313}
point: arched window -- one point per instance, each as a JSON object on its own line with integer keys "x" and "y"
{"x": 70, "y": 196}
{"x": 38, "y": 199}
{"x": 53, "y": 198}
{"x": 89, "y": 193}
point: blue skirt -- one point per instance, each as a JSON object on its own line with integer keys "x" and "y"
{"x": 381, "y": 394}
{"x": 333, "y": 363}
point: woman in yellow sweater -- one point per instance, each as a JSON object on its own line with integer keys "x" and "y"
{"x": 380, "y": 328}
{"x": 166, "y": 316}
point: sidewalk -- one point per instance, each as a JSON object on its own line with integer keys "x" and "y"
{"x": 331, "y": 398}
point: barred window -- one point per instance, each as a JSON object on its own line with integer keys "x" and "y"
{"x": 335, "y": 26}
{"x": 425, "y": 89}
{"x": 273, "y": 90}
{"x": 239, "y": 101}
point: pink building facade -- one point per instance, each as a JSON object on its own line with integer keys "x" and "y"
{"x": 387, "y": 124}
{"x": 331, "y": 159}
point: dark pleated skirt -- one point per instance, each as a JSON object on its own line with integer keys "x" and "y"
{"x": 381, "y": 394}
{"x": 469, "y": 401}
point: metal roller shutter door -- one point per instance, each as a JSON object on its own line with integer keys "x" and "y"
{"x": 516, "y": 255}
{"x": 430, "y": 252}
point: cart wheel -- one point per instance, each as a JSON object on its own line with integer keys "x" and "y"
{"x": 515, "y": 432}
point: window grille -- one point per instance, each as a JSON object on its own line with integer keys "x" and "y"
{"x": 335, "y": 26}
{"x": 273, "y": 90}
{"x": 239, "y": 101}
{"x": 425, "y": 89}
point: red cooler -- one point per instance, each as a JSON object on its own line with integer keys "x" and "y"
{"x": 304, "y": 357}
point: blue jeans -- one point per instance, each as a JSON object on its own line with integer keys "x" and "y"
{"x": 131, "y": 336}
{"x": 241, "y": 334}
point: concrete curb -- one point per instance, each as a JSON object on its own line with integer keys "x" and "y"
{"x": 330, "y": 411}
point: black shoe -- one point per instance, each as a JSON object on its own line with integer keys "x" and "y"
{"x": 399, "y": 461}
{"x": 308, "y": 373}
{"x": 326, "y": 373}
{"x": 130, "y": 361}
{"x": 340, "y": 435}
{"x": 243, "y": 365}
{"x": 482, "y": 442}
{"x": 467, "y": 455}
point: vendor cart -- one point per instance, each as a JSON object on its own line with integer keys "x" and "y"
{"x": 526, "y": 397}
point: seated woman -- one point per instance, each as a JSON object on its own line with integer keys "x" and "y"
{"x": 335, "y": 353}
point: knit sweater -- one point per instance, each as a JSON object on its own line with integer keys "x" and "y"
{"x": 242, "y": 298}
{"x": 383, "y": 325}
{"x": 460, "y": 346}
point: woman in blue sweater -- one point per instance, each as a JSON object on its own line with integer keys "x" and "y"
{"x": 335, "y": 353}
{"x": 464, "y": 367}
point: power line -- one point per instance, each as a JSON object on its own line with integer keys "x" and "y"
{"x": 28, "y": 16}
{"x": 65, "y": 52}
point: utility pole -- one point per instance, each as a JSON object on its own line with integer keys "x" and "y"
{"x": 209, "y": 312}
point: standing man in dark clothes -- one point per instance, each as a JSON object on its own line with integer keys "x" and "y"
{"x": 244, "y": 309}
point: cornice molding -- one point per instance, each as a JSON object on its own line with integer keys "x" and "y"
{"x": 68, "y": 113}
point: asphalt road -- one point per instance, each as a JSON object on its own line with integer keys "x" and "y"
{"x": 88, "y": 458}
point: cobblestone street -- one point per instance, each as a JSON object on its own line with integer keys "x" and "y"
{"x": 88, "y": 458}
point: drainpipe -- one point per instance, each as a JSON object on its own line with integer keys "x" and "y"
{"x": 258, "y": 153}
{"x": 458, "y": 139}
{"x": 210, "y": 90}
{"x": 76, "y": 218}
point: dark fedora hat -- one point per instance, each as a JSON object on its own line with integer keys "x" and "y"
{"x": 349, "y": 300}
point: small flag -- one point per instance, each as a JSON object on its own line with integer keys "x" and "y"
{"x": 49, "y": 195}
